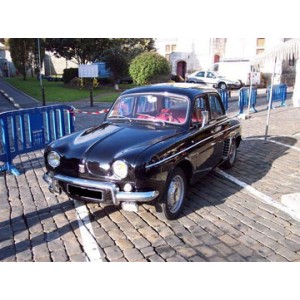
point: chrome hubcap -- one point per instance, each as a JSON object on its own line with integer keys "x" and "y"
{"x": 175, "y": 193}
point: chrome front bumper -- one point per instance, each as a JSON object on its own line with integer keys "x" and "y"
{"x": 116, "y": 195}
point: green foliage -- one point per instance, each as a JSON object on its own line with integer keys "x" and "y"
{"x": 69, "y": 74}
{"x": 120, "y": 52}
{"x": 149, "y": 67}
{"x": 25, "y": 55}
{"x": 83, "y": 50}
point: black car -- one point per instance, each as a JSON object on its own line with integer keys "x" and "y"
{"x": 154, "y": 141}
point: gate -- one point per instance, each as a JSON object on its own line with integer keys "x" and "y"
{"x": 27, "y": 130}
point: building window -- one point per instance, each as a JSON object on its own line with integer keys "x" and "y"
{"x": 260, "y": 45}
{"x": 169, "y": 49}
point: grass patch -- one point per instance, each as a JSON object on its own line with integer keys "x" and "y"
{"x": 56, "y": 91}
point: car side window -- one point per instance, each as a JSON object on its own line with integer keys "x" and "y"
{"x": 216, "y": 109}
{"x": 200, "y": 74}
{"x": 200, "y": 105}
{"x": 210, "y": 75}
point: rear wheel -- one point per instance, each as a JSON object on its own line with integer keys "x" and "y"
{"x": 174, "y": 195}
{"x": 231, "y": 156}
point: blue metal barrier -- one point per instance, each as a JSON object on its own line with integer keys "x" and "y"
{"x": 224, "y": 96}
{"x": 244, "y": 95}
{"x": 27, "y": 130}
{"x": 278, "y": 93}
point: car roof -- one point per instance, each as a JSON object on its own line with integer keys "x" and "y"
{"x": 186, "y": 89}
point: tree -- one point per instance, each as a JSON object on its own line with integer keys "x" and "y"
{"x": 24, "y": 54}
{"x": 83, "y": 50}
{"x": 149, "y": 67}
{"x": 120, "y": 53}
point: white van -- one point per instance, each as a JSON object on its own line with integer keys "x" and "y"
{"x": 240, "y": 69}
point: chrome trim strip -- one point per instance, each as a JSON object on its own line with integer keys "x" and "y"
{"x": 117, "y": 196}
{"x": 190, "y": 147}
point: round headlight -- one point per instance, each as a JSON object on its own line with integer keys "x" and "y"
{"x": 120, "y": 169}
{"x": 53, "y": 159}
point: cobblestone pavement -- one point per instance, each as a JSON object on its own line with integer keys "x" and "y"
{"x": 220, "y": 222}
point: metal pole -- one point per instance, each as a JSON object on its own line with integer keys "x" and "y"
{"x": 250, "y": 92}
{"x": 40, "y": 73}
{"x": 270, "y": 100}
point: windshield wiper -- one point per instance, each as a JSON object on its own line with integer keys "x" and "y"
{"x": 119, "y": 117}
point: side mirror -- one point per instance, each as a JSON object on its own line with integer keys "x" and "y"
{"x": 204, "y": 114}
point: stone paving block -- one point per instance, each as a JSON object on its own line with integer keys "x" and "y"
{"x": 124, "y": 244}
{"x": 73, "y": 248}
{"x": 263, "y": 250}
{"x": 173, "y": 240}
{"x": 206, "y": 251}
{"x": 276, "y": 258}
{"x": 217, "y": 259}
{"x": 116, "y": 234}
{"x": 223, "y": 249}
{"x": 294, "y": 246}
{"x": 176, "y": 258}
{"x": 196, "y": 258}
{"x": 288, "y": 254}
{"x": 164, "y": 231}
{"x": 268, "y": 242}
{"x": 191, "y": 240}
{"x": 40, "y": 250}
{"x": 247, "y": 240}
{"x": 59, "y": 256}
{"x": 235, "y": 258}
{"x": 185, "y": 251}
{"x": 80, "y": 257}
{"x": 132, "y": 254}
{"x": 209, "y": 240}
{"x": 243, "y": 250}
{"x": 105, "y": 241}
{"x": 156, "y": 258}
{"x": 165, "y": 251}
{"x": 148, "y": 251}
{"x": 113, "y": 252}
{"x": 24, "y": 256}
{"x": 140, "y": 243}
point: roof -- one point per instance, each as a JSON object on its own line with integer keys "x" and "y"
{"x": 185, "y": 89}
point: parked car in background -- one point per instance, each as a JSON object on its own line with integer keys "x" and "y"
{"x": 154, "y": 141}
{"x": 212, "y": 79}
{"x": 243, "y": 70}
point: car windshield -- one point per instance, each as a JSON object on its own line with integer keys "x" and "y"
{"x": 164, "y": 108}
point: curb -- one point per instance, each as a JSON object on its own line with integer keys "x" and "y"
{"x": 10, "y": 99}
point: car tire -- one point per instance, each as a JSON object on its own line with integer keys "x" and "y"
{"x": 222, "y": 86}
{"x": 230, "y": 161}
{"x": 174, "y": 194}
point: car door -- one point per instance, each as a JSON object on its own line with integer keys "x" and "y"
{"x": 210, "y": 78}
{"x": 201, "y": 153}
{"x": 218, "y": 122}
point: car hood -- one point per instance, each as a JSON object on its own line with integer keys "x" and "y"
{"x": 110, "y": 142}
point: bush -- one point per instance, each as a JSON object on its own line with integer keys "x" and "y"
{"x": 149, "y": 68}
{"x": 69, "y": 74}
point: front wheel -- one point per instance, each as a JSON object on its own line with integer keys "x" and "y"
{"x": 174, "y": 195}
{"x": 222, "y": 86}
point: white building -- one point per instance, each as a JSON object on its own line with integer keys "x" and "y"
{"x": 190, "y": 54}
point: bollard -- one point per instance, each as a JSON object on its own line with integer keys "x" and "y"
{"x": 43, "y": 97}
{"x": 91, "y": 97}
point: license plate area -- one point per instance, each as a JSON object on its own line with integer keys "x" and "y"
{"x": 89, "y": 194}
